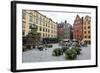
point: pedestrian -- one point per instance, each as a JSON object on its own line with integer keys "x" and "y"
{"x": 45, "y": 45}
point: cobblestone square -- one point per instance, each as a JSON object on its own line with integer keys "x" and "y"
{"x": 35, "y": 55}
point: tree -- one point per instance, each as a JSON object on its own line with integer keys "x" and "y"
{"x": 33, "y": 37}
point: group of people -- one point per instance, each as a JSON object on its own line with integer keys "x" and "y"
{"x": 72, "y": 43}
{"x": 42, "y": 46}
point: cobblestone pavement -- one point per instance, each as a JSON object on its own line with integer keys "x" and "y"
{"x": 46, "y": 55}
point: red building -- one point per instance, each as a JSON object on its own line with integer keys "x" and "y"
{"x": 78, "y": 28}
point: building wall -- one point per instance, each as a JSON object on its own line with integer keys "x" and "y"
{"x": 25, "y": 23}
{"x": 87, "y": 29}
{"x": 46, "y": 26}
{"x": 78, "y": 28}
{"x": 67, "y": 31}
{"x": 64, "y": 30}
{"x": 60, "y": 31}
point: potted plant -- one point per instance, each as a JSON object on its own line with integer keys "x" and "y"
{"x": 70, "y": 54}
{"x": 57, "y": 52}
{"x": 77, "y": 49}
{"x": 50, "y": 46}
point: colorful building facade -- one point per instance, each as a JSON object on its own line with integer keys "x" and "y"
{"x": 87, "y": 29}
{"x": 46, "y": 26}
{"x": 67, "y": 30}
{"x": 60, "y": 31}
{"x": 78, "y": 28}
{"x": 64, "y": 30}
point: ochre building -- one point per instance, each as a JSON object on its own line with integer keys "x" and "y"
{"x": 46, "y": 26}
{"x": 87, "y": 29}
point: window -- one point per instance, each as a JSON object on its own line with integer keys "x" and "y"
{"x": 46, "y": 35}
{"x": 43, "y": 22}
{"x": 89, "y": 22}
{"x": 23, "y": 32}
{"x": 88, "y": 27}
{"x": 88, "y": 31}
{"x": 46, "y": 30}
{"x": 43, "y": 29}
{"x": 40, "y": 29}
{"x": 85, "y": 27}
{"x": 85, "y": 36}
{"x": 80, "y": 37}
{"x": 89, "y": 37}
{"x": 30, "y": 18}
{"x": 36, "y": 20}
{"x": 46, "y": 24}
{"x": 43, "y": 34}
{"x": 85, "y": 32}
{"x": 40, "y": 20}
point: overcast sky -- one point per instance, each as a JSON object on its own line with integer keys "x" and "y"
{"x": 62, "y": 16}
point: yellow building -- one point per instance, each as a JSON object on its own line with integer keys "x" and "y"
{"x": 46, "y": 26}
{"x": 87, "y": 29}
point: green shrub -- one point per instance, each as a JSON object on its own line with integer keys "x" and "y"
{"x": 57, "y": 52}
{"x": 70, "y": 54}
{"x": 50, "y": 46}
{"x": 78, "y": 50}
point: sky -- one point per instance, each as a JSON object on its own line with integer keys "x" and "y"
{"x": 62, "y": 16}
